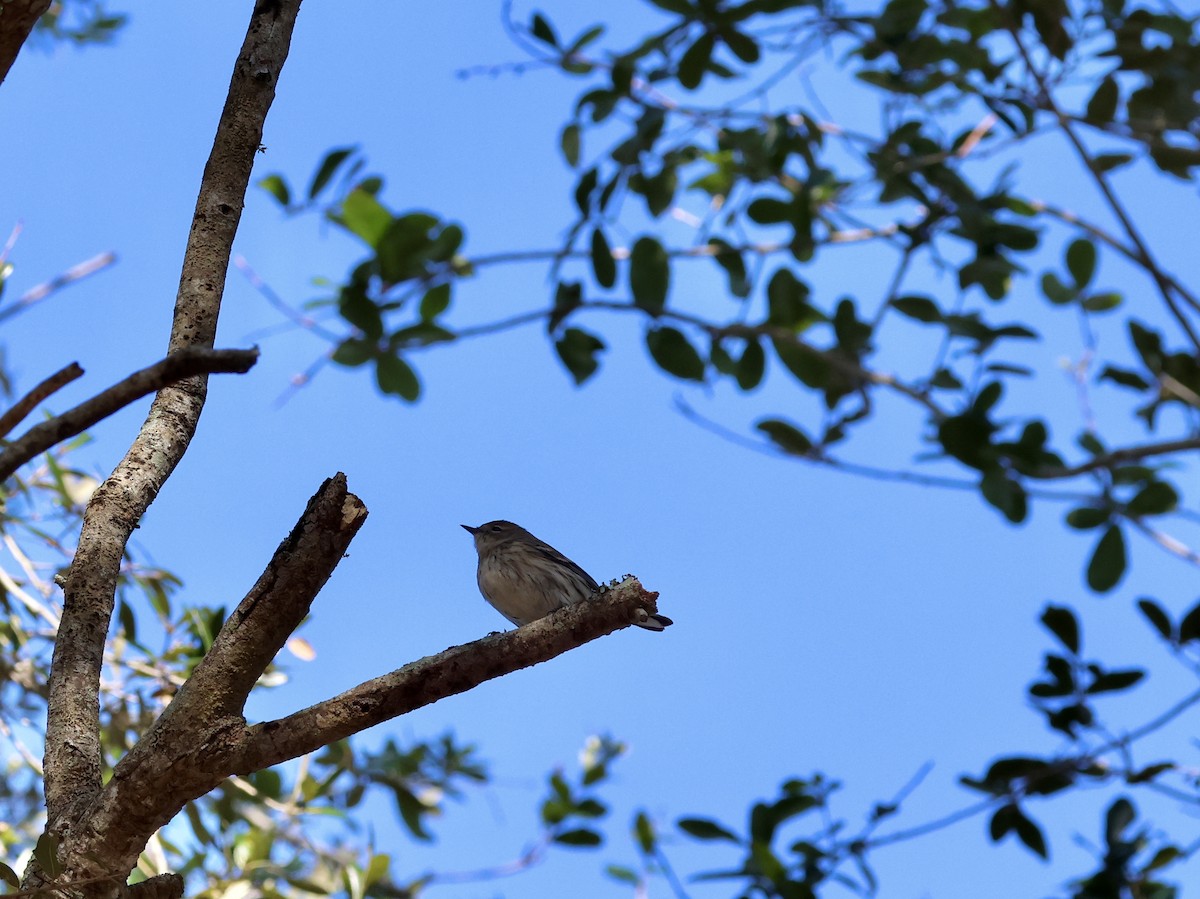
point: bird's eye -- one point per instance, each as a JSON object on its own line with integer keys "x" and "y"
{"x": 496, "y": 529}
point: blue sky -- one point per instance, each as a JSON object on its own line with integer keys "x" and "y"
{"x": 822, "y": 622}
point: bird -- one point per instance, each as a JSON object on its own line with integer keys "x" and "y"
{"x": 525, "y": 579}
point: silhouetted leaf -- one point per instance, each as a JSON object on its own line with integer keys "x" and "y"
{"x": 1061, "y": 622}
{"x": 1158, "y": 619}
{"x": 325, "y": 171}
{"x": 578, "y": 351}
{"x": 603, "y": 264}
{"x": 579, "y": 837}
{"x": 1081, "y": 261}
{"x": 1107, "y": 565}
{"x": 649, "y": 274}
{"x": 540, "y": 28}
{"x": 674, "y": 354}
{"x": 395, "y": 376}
{"x": 705, "y": 829}
{"x": 786, "y": 436}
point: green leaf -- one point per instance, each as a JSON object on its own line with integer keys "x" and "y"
{"x": 581, "y": 836}
{"x": 327, "y": 168}
{"x": 1123, "y": 377}
{"x": 621, "y": 874}
{"x": 578, "y": 351}
{"x": 1004, "y": 493}
{"x": 1106, "y": 162}
{"x": 540, "y": 29}
{"x": 570, "y": 143}
{"x": 694, "y": 62}
{"x": 752, "y": 365}
{"x": 1031, "y": 835}
{"x": 742, "y": 46}
{"x": 674, "y": 354}
{"x": 603, "y": 264}
{"x": 643, "y": 832}
{"x": 786, "y": 300}
{"x": 923, "y": 309}
{"x": 1103, "y": 302}
{"x": 9, "y": 876}
{"x": 1189, "y": 626}
{"x": 1158, "y": 619}
{"x": 1081, "y": 262}
{"x": 1057, "y": 292}
{"x": 805, "y": 364}
{"x": 1061, "y": 622}
{"x": 584, "y": 188}
{"x": 364, "y": 217}
{"x": 1156, "y": 498}
{"x": 705, "y": 829}
{"x": 1103, "y": 105}
{"x": 354, "y": 351}
{"x": 786, "y": 436}
{"x": 1107, "y": 565}
{"x": 1085, "y": 518}
{"x": 649, "y": 274}
{"x": 277, "y": 187}
{"x": 731, "y": 260}
{"x": 435, "y": 302}
{"x": 45, "y": 852}
{"x": 396, "y": 377}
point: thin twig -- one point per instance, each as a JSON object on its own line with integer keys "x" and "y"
{"x": 175, "y": 367}
{"x": 26, "y": 404}
{"x": 70, "y": 276}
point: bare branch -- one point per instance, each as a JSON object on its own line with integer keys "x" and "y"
{"x": 435, "y": 677}
{"x": 167, "y": 769}
{"x": 1118, "y": 457}
{"x": 17, "y": 19}
{"x": 73, "y": 753}
{"x": 175, "y": 367}
{"x": 75, "y": 273}
{"x": 26, "y": 404}
{"x": 258, "y": 628}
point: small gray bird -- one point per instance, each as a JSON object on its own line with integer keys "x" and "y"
{"x": 525, "y": 579}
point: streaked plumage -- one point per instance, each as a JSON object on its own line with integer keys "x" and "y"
{"x": 525, "y": 579}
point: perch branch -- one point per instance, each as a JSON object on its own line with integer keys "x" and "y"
{"x": 30, "y": 401}
{"x": 73, "y": 752}
{"x": 149, "y": 787}
{"x": 175, "y": 367}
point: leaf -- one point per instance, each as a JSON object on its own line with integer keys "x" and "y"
{"x": 1102, "y": 302}
{"x": 9, "y": 876}
{"x": 786, "y": 436}
{"x": 1004, "y": 493}
{"x": 674, "y": 354}
{"x": 1107, "y": 565}
{"x": 570, "y": 143}
{"x": 1112, "y": 681}
{"x": 603, "y": 264}
{"x": 742, "y": 46}
{"x": 923, "y": 309}
{"x": 578, "y": 351}
{"x": 364, "y": 216}
{"x": 731, "y": 260}
{"x": 643, "y": 831}
{"x": 1123, "y": 377}
{"x": 786, "y": 295}
{"x": 1085, "y": 518}
{"x": 354, "y": 351}
{"x": 584, "y": 188}
{"x": 621, "y": 874}
{"x": 1057, "y": 292}
{"x": 579, "y": 837}
{"x": 1031, "y": 835}
{"x": 1106, "y": 162}
{"x": 277, "y": 187}
{"x": 1061, "y": 622}
{"x": 45, "y": 852}
{"x": 649, "y": 274}
{"x": 1156, "y": 498}
{"x": 752, "y": 365}
{"x": 1081, "y": 261}
{"x": 705, "y": 829}
{"x": 694, "y": 62}
{"x": 325, "y": 171}
{"x": 806, "y": 365}
{"x": 1103, "y": 105}
{"x": 1158, "y": 619}
{"x": 540, "y": 29}
{"x": 396, "y": 377}
{"x": 435, "y": 302}
{"x": 1189, "y": 626}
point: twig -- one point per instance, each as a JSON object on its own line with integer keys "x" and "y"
{"x": 26, "y": 404}
{"x": 1118, "y": 457}
{"x": 74, "y": 273}
{"x": 1167, "y": 542}
{"x": 175, "y": 367}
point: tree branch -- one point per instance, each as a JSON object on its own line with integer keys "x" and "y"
{"x": 17, "y": 18}
{"x": 453, "y": 671}
{"x": 26, "y": 404}
{"x": 175, "y": 367}
{"x": 167, "y": 770}
{"x": 73, "y": 753}
{"x": 1118, "y": 457}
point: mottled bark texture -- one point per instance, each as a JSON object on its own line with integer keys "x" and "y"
{"x": 183, "y": 364}
{"x": 17, "y": 18}
{"x": 73, "y": 755}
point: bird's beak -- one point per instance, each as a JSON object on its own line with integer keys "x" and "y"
{"x": 470, "y": 530}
